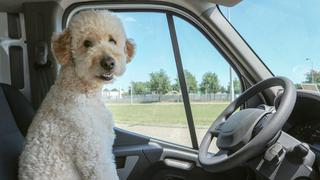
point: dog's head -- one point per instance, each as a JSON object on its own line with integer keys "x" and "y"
{"x": 96, "y": 45}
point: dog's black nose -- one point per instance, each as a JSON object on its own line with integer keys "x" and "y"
{"x": 108, "y": 63}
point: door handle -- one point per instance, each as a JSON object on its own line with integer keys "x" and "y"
{"x": 180, "y": 164}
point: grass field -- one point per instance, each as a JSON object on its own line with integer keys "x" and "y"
{"x": 171, "y": 114}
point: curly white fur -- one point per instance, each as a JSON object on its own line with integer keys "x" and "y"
{"x": 71, "y": 136}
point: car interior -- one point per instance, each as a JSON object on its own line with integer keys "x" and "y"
{"x": 270, "y": 131}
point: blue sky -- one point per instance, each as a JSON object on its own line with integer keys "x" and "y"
{"x": 282, "y": 33}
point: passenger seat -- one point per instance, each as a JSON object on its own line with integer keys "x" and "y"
{"x": 16, "y": 114}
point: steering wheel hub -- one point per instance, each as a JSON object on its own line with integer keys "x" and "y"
{"x": 237, "y": 130}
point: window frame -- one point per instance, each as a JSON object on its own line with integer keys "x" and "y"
{"x": 169, "y": 10}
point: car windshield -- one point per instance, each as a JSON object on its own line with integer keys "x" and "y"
{"x": 284, "y": 34}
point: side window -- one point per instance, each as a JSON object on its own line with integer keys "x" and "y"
{"x": 148, "y": 99}
{"x": 143, "y": 100}
{"x": 207, "y": 75}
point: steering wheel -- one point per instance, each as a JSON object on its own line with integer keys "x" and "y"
{"x": 243, "y": 135}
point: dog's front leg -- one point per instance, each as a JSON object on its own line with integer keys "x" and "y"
{"x": 93, "y": 159}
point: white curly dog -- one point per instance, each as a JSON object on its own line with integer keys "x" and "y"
{"x": 71, "y": 136}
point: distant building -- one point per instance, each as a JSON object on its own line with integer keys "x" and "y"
{"x": 112, "y": 94}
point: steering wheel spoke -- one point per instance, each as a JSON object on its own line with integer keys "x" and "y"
{"x": 216, "y": 128}
{"x": 220, "y": 156}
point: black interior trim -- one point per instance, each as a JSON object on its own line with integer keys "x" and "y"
{"x": 16, "y": 66}
{"x": 122, "y": 138}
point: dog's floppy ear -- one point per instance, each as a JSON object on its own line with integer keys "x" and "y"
{"x": 130, "y": 49}
{"x": 61, "y": 45}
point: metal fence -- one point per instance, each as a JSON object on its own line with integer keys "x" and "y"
{"x": 150, "y": 98}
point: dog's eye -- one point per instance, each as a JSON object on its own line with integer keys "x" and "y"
{"x": 111, "y": 40}
{"x": 87, "y": 43}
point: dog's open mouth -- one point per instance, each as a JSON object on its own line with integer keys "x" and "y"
{"x": 106, "y": 76}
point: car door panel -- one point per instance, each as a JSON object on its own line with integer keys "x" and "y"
{"x": 141, "y": 157}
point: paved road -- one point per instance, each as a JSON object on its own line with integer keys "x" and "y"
{"x": 178, "y": 135}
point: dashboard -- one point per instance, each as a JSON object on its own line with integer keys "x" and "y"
{"x": 304, "y": 122}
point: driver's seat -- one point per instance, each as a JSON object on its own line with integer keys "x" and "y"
{"x": 16, "y": 114}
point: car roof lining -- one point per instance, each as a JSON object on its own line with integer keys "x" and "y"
{"x": 17, "y": 5}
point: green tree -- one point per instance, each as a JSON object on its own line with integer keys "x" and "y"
{"x": 210, "y": 83}
{"x": 176, "y": 85}
{"x": 313, "y": 77}
{"x": 140, "y": 88}
{"x": 191, "y": 81}
{"x": 159, "y": 82}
